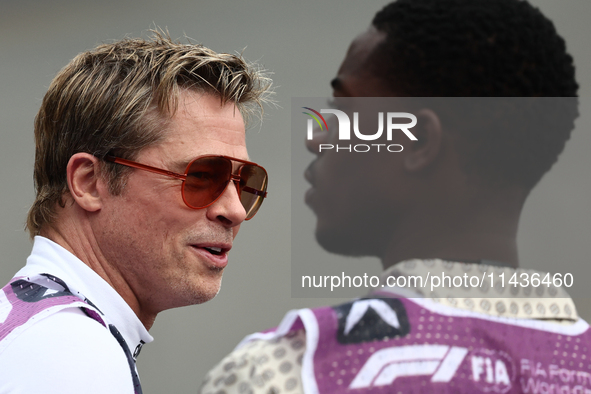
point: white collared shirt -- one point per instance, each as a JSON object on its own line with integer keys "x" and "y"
{"x": 68, "y": 352}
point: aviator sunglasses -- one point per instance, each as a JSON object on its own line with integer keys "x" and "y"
{"x": 206, "y": 178}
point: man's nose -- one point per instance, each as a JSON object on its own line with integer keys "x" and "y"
{"x": 227, "y": 208}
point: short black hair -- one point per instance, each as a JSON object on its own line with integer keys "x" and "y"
{"x": 481, "y": 48}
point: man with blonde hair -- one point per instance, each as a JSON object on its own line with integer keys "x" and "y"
{"x": 143, "y": 179}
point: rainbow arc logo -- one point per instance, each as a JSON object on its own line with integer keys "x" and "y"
{"x": 318, "y": 115}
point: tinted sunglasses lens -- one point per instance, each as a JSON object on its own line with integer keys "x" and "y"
{"x": 253, "y": 184}
{"x": 207, "y": 178}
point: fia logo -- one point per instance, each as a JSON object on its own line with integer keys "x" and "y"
{"x": 492, "y": 370}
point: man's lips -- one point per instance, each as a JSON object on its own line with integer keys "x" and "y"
{"x": 309, "y": 173}
{"x": 215, "y": 254}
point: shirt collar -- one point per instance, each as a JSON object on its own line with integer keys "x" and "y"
{"x": 500, "y": 299}
{"x": 49, "y": 257}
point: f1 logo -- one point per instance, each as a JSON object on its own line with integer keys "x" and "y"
{"x": 386, "y": 365}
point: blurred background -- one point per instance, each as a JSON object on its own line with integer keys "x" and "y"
{"x": 302, "y": 43}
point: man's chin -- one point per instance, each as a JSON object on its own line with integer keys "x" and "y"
{"x": 212, "y": 292}
{"x": 218, "y": 290}
{"x": 342, "y": 244}
{"x": 202, "y": 291}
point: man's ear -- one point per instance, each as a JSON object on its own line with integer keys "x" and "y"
{"x": 84, "y": 181}
{"x": 422, "y": 153}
